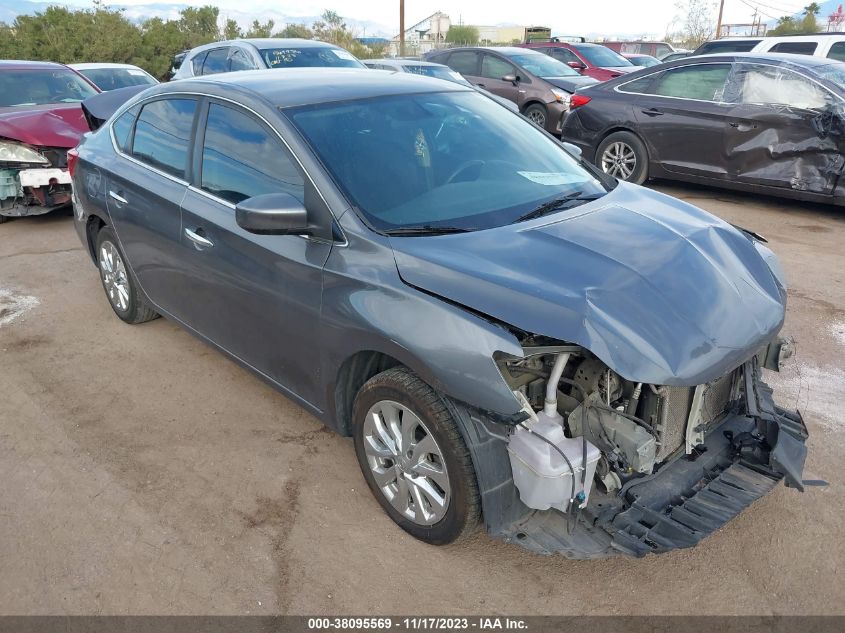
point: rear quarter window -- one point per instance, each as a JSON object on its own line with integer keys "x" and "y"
{"x": 638, "y": 86}
{"x": 796, "y": 48}
{"x": 122, "y": 128}
{"x": 837, "y": 52}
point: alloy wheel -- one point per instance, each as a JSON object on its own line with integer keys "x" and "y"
{"x": 406, "y": 462}
{"x": 113, "y": 273}
{"x": 619, "y": 160}
{"x": 537, "y": 117}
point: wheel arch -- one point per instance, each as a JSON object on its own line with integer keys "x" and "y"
{"x": 93, "y": 225}
{"x": 531, "y": 102}
{"x": 353, "y": 372}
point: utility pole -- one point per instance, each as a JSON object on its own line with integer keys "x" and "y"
{"x": 401, "y": 28}
{"x": 719, "y": 21}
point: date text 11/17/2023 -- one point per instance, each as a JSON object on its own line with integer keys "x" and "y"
{"x": 417, "y": 623}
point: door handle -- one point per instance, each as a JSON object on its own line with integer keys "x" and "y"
{"x": 481, "y": 85}
{"x": 743, "y": 127}
{"x": 117, "y": 197}
{"x": 652, "y": 112}
{"x": 198, "y": 239}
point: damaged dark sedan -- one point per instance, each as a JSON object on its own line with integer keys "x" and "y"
{"x": 768, "y": 123}
{"x": 508, "y": 334}
{"x": 40, "y": 119}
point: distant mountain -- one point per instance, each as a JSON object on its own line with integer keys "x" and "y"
{"x": 10, "y": 9}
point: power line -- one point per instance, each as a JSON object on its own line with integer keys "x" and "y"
{"x": 757, "y": 9}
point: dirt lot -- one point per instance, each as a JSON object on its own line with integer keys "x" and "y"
{"x": 143, "y": 472}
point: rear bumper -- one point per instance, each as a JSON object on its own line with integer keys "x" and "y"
{"x": 743, "y": 459}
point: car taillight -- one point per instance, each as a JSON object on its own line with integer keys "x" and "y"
{"x": 72, "y": 156}
{"x": 576, "y": 101}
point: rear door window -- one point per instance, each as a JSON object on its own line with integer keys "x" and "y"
{"x": 703, "y": 82}
{"x": 217, "y": 61}
{"x": 163, "y": 135}
{"x": 796, "y": 48}
{"x": 242, "y": 158}
{"x": 465, "y": 62}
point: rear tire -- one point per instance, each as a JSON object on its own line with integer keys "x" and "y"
{"x": 624, "y": 156}
{"x": 414, "y": 458}
{"x": 119, "y": 284}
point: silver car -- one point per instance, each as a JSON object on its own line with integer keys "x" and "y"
{"x": 260, "y": 53}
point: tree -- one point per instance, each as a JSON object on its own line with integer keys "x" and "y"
{"x": 331, "y": 28}
{"x": 462, "y": 34}
{"x": 260, "y": 30}
{"x": 199, "y": 24}
{"x": 296, "y": 30}
{"x": 698, "y": 22}
{"x": 231, "y": 30}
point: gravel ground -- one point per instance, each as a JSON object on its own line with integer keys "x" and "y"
{"x": 142, "y": 472}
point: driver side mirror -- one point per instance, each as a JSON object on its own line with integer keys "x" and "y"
{"x": 514, "y": 79}
{"x": 576, "y": 65}
{"x": 273, "y": 214}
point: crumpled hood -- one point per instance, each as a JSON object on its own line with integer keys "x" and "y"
{"x": 571, "y": 84}
{"x": 661, "y": 291}
{"x": 51, "y": 125}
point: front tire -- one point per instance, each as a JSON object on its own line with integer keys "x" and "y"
{"x": 120, "y": 286}
{"x": 623, "y": 156}
{"x": 414, "y": 458}
{"x": 536, "y": 114}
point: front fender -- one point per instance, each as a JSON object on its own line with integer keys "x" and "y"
{"x": 367, "y": 307}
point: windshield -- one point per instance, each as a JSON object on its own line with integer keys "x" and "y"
{"x": 602, "y": 56}
{"x": 309, "y": 57}
{"x": 39, "y": 87}
{"x": 454, "y": 159}
{"x": 438, "y": 72}
{"x": 114, "y": 78}
{"x": 834, "y": 73}
{"x": 644, "y": 61}
{"x": 542, "y": 65}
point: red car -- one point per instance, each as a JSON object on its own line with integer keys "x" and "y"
{"x": 40, "y": 120}
{"x": 592, "y": 60}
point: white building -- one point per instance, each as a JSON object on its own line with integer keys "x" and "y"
{"x": 424, "y": 36}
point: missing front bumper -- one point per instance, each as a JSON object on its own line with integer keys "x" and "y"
{"x": 685, "y": 500}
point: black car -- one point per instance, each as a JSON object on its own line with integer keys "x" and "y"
{"x": 768, "y": 123}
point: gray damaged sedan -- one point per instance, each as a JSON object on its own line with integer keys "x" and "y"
{"x": 508, "y": 335}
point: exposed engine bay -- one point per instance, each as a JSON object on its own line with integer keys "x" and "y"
{"x": 589, "y": 438}
{"x": 35, "y": 187}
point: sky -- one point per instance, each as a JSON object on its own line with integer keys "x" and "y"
{"x": 571, "y": 17}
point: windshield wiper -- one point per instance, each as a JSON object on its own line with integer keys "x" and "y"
{"x": 427, "y": 229}
{"x": 558, "y": 204}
